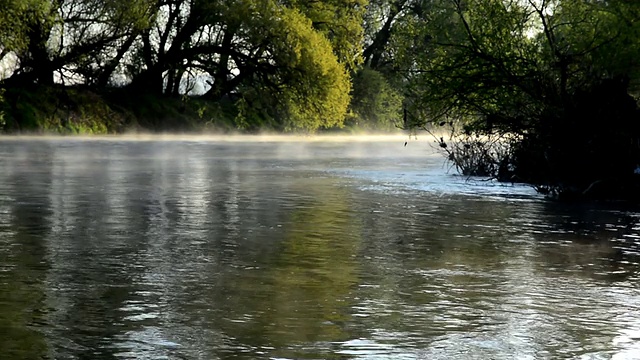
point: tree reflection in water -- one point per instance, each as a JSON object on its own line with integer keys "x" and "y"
{"x": 116, "y": 249}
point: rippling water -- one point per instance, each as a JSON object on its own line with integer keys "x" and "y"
{"x": 212, "y": 249}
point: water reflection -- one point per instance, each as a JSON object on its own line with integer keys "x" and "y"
{"x": 24, "y": 219}
{"x": 495, "y": 281}
{"x": 198, "y": 250}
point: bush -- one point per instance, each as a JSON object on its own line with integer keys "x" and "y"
{"x": 488, "y": 155}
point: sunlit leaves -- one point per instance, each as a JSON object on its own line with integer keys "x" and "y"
{"x": 15, "y": 18}
{"x": 314, "y": 85}
{"x": 340, "y": 21}
{"x": 282, "y": 63}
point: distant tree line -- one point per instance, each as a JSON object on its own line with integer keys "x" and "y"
{"x": 286, "y": 61}
{"x": 542, "y": 91}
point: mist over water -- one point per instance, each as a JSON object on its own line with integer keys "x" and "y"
{"x": 145, "y": 247}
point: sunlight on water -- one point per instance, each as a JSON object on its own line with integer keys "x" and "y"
{"x": 287, "y": 248}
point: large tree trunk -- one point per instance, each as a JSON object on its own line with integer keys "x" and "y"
{"x": 372, "y": 54}
{"x": 220, "y": 85}
{"x": 149, "y": 81}
{"x": 103, "y": 78}
{"x": 36, "y": 65}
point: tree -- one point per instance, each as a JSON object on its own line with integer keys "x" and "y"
{"x": 283, "y": 64}
{"x": 266, "y": 57}
{"x": 340, "y": 21}
{"x": 73, "y": 38}
{"x": 378, "y": 91}
{"x": 381, "y": 21}
{"x": 17, "y": 23}
{"x": 15, "y": 19}
{"x": 304, "y": 84}
{"x": 544, "y": 71}
{"x": 376, "y": 104}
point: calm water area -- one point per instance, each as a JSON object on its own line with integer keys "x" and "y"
{"x": 292, "y": 248}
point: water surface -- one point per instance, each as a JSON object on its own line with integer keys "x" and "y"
{"x": 290, "y": 249}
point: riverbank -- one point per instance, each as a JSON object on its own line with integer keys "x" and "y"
{"x": 58, "y": 110}
{"x": 79, "y": 110}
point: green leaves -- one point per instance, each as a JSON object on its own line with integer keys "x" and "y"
{"x": 376, "y": 105}
{"x": 470, "y": 59}
{"x": 15, "y": 18}
{"x": 540, "y": 72}
{"x": 318, "y": 91}
{"x": 314, "y": 86}
{"x": 283, "y": 64}
{"x": 340, "y": 21}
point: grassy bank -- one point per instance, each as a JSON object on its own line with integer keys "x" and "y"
{"x": 77, "y": 110}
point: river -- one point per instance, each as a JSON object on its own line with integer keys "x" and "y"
{"x": 300, "y": 248}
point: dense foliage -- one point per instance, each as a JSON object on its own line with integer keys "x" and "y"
{"x": 554, "y": 79}
{"x": 275, "y": 63}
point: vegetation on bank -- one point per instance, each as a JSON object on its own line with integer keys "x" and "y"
{"x": 536, "y": 91}
{"x": 542, "y": 92}
{"x": 79, "y": 110}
